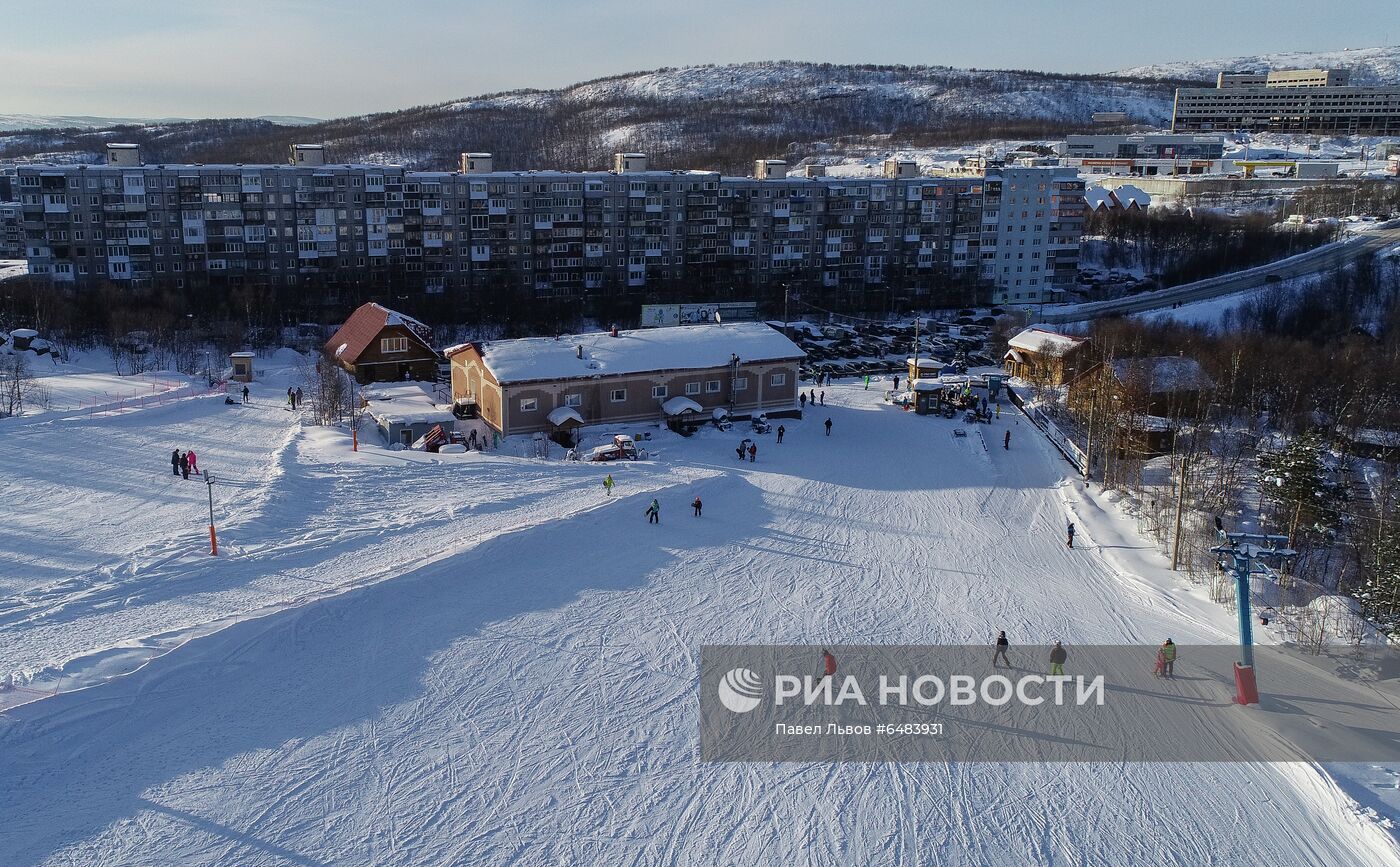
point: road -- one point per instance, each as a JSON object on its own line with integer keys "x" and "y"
{"x": 1312, "y": 262}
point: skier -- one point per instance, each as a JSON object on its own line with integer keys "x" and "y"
{"x": 1001, "y": 644}
{"x": 1069, "y": 535}
{"x": 1006, "y": 441}
{"x": 823, "y": 398}
{"x": 1057, "y": 660}
{"x": 608, "y": 484}
{"x": 194, "y": 467}
{"x": 245, "y": 394}
{"x": 828, "y": 663}
{"x": 753, "y": 452}
{"x": 828, "y": 427}
{"x": 175, "y": 462}
{"x": 1167, "y": 654}
{"x": 654, "y": 513}
{"x": 781, "y": 431}
{"x": 696, "y": 506}
{"x": 185, "y": 467}
{"x": 867, "y": 382}
{"x": 803, "y": 398}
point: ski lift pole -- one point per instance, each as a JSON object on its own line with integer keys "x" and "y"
{"x": 1243, "y": 549}
{"x": 213, "y": 537}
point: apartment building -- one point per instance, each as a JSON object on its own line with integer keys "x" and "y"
{"x": 1314, "y": 101}
{"x": 542, "y": 234}
{"x": 1032, "y": 222}
{"x": 11, "y": 231}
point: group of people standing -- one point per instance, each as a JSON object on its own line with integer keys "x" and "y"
{"x": 183, "y": 463}
{"x": 1058, "y": 655}
{"x": 293, "y": 398}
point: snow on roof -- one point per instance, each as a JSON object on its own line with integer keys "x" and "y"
{"x": 1015, "y": 356}
{"x": 1127, "y": 195}
{"x": 1041, "y": 340}
{"x": 561, "y": 414}
{"x": 924, "y": 362}
{"x": 404, "y": 403}
{"x": 1163, "y": 374}
{"x": 926, "y": 385}
{"x": 685, "y": 347}
{"x": 680, "y": 404}
{"x": 720, "y": 412}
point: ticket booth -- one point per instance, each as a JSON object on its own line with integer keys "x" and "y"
{"x": 242, "y": 363}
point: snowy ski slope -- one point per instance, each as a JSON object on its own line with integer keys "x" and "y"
{"x": 475, "y": 659}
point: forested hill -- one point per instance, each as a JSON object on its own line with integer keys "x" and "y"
{"x": 695, "y": 117}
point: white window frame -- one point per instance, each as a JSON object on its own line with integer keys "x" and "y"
{"x": 613, "y": 395}
{"x": 529, "y": 404}
{"x": 777, "y": 379}
{"x": 573, "y": 400}
{"x": 389, "y": 345}
{"x": 658, "y": 392}
{"x": 741, "y": 383}
{"x": 692, "y": 388}
{"x": 712, "y": 386}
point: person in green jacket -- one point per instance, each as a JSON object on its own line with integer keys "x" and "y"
{"x": 1168, "y": 655}
{"x": 608, "y": 484}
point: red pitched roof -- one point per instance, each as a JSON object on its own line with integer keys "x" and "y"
{"x": 363, "y": 327}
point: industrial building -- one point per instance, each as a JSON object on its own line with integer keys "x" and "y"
{"x": 1312, "y": 101}
{"x": 550, "y": 234}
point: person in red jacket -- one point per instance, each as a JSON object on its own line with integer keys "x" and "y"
{"x": 753, "y": 452}
{"x": 828, "y": 663}
{"x": 194, "y": 468}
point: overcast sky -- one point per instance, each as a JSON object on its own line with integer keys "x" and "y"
{"x": 327, "y": 58}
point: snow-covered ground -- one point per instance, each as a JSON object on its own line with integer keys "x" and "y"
{"x": 402, "y": 658}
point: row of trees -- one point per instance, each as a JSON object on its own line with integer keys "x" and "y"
{"x": 1297, "y": 433}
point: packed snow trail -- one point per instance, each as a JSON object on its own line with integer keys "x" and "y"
{"x": 532, "y": 699}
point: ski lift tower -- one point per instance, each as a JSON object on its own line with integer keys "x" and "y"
{"x": 1239, "y": 555}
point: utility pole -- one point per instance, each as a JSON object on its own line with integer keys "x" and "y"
{"x": 787, "y": 327}
{"x": 213, "y": 538}
{"x": 1243, "y": 549}
{"x": 916, "y": 348}
{"x": 1180, "y": 502}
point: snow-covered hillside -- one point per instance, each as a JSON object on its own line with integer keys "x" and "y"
{"x": 1367, "y": 65}
{"x": 16, "y": 122}
{"x": 403, "y": 658}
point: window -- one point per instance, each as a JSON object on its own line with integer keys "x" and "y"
{"x": 712, "y": 386}
{"x": 741, "y": 383}
{"x": 393, "y": 344}
{"x": 692, "y": 388}
{"x": 573, "y": 400}
{"x": 529, "y": 404}
{"x": 619, "y": 395}
{"x": 658, "y": 391}
{"x": 778, "y": 379}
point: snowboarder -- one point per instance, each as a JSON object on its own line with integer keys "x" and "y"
{"x": 828, "y": 663}
{"x": 175, "y": 462}
{"x": 608, "y": 484}
{"x": 803, "y": 399}
{"x": 823, "y": 398}
{"x": 1058, "y": 655}
{"x": 297, "y": 403}
{"x": 1069, "y": 535}
{"x": 696, "y": 506}
{"x": 1166, "y": 657}
{"x": 781, "y": 430}
{"x": 194, "y": 467}
{"x": 185, "y": 466}
{"x": 828, "y": 427}
{"x": 654, "y": 513}
{"x": 245, "y": 394}
{"x": 753, "y": 452}
{"x": 1006, "y": 441}
{"x": 1001, "y": 644}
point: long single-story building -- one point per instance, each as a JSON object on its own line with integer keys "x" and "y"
{"x": 377, "y": 344}
{"x": 516, "y": 386}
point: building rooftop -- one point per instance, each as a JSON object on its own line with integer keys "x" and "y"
{"x": 686, "y": 347}
{"x": 1041, "y": 340}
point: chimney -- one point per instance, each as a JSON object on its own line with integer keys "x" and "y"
{"x": 627, "y": 163}
{"x": 770, "y": 169}
{"x": 308, "y": 155}
{"x": 476, "y": 164}
{"x": 124, "y": 155}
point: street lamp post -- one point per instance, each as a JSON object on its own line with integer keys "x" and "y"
{"x": 1243, "y": 549}
{"x": 213, "y": 538}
